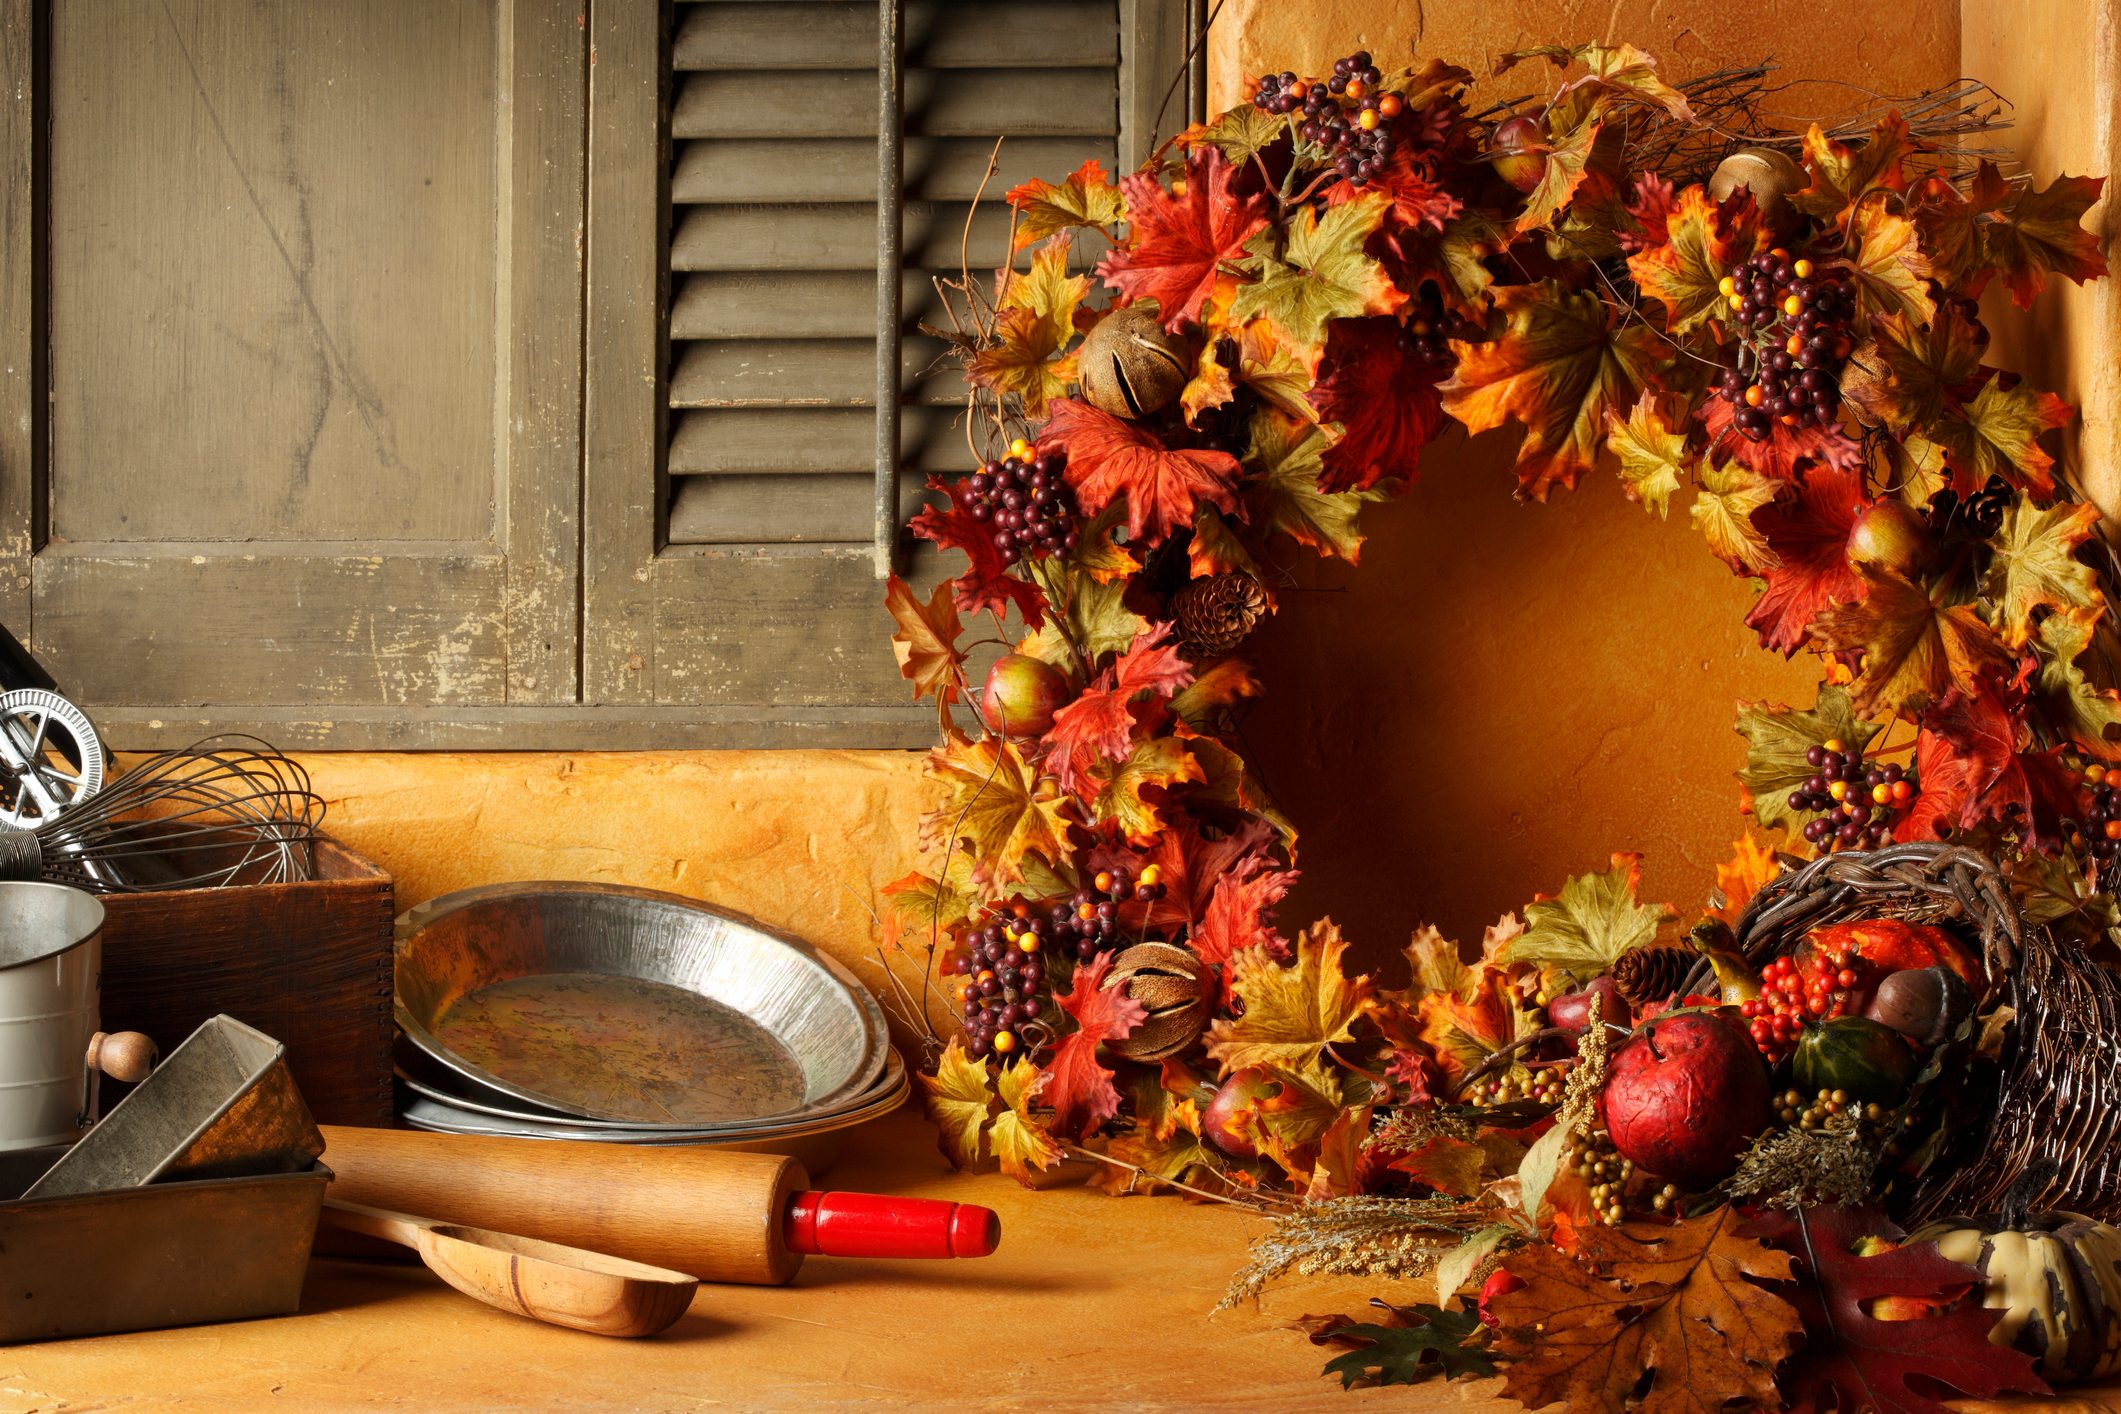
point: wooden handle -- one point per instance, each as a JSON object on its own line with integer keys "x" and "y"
{"x": 376, "y": 1223}
{"x": 122, "y": 1055}
{"x": 709, "y": 1212}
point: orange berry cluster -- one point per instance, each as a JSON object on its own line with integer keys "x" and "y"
{"x": 1790, "y": 998}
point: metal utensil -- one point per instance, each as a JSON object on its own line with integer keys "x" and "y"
{"x": 51, "y": 957}
{"x": 561, "y": 1286}
{"x": 631, "y": 1006}
{"x": 222, "y": 1105}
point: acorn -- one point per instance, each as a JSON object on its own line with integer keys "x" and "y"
{"x": 1173, "y": 986}
{"x": 1770, "y": 174}
{"x": 1130, "y": 366}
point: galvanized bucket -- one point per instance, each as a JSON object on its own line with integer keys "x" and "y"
{"x": 51, "y": 961}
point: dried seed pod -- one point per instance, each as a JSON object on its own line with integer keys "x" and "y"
{"x": 1215, "y": 614}
{"x": 1771, "y": 174}
{"x": 1131, "y": 366}
{"x": 1173, "y": 986}
{"x": 1651, "y": 974}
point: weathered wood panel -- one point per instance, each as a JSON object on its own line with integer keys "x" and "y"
{"x": 273, "y": 271}
{"x": 939, "y": 103}
{"x": 23, "y": 406}
{"x": 805, "y": 170}
{"x": 841, "y": 34}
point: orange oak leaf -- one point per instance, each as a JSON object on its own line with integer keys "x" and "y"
{"x": 1079, "y": 1089}
{"x": 1915, "y": 647}
{"x": 1086, "y": 198}
{"x": 1384, "y": 396}
{"x": 1176, "y": 245}
{"x": 1562, "y": 362}
{"x": 1109, "y": 458}
{"x": 1680, "y": 1304}
{"x": 1240, "y": 913}
{"x": 926, "y": 641}
{"x": 1703, "y": 243}
{"x": 986, "y": 582}
{"x": 1808, "y": 533}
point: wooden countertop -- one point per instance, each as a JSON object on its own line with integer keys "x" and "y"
{"x": 1092, "y": 1303}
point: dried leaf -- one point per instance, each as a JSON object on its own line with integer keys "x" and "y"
{"x": 995, "y": 805}
{"x": 1078, "y": 1088}
{"x": 1751, "y": 867}
{"x": 2088, "y": 714}
{"x": 1590, "y": 923}
{"x": 1383, "y": 394}
{"x": 1843, "y": 174}
{"x": 1318, "y": 271}
{"x": 1109, "y": 458}
{"x": 1807, "y": 532}
{"x": 1284, "y": 496}
{"x": 1292, "y": 1013}
{"x": 926, "y": 641}
{"x": 1240, "y": 913}
{"x": 1158, "y": 763}
{"x": 1017, "y": 1138}
{"x": 2039, "y": 232}
{"x": 1086, "y": 198}
{"x": 2036, "y": 566}
{"x": 1889, "y": 273}
{"x": 959, "y": 1103}
{"x": 1997, "y": 434}
{"x": 1777, "y": 739}
{"x": 1702, "y": 244}
{"x": 1653, "y": 458}
{"x": 1914, "y": 647}
{"x": 1723, "y": 512}
{"x": 1176, "y": 245}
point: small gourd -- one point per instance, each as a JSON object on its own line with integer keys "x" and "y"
{"x": 1130, "y": 366}
{"x": 2057, "y": 1281}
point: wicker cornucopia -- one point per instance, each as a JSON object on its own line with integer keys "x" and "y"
{"x": 2041, "y": 1124}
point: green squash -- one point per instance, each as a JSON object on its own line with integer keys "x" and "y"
{"x": 1853, "y": 1053}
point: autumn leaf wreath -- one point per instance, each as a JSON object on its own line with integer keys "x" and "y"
{"x": 1636, "y": 1164}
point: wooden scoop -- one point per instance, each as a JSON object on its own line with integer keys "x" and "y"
{"x": 562, "y": 1286}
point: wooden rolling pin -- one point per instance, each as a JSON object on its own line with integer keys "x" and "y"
{"x": 720, "y": 1216}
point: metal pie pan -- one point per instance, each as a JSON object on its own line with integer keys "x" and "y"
{"x": 630, "y": 1006}
{"x": 422, "y": 1112}
{"x": 430, "y": 1082}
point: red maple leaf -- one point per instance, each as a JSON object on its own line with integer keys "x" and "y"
{"x": 1850, "y": 1359}
{"x": 1783, "y": 450}
{"x": 1651, "y": 201}
{"x": 1383, "y": 394}
{"x": 1418, "y": 199}
{"x": 1176, "y": 244}
{"x": 1414, "y": 1070}
{"x": 1240, "y": 913}
{"x": 1969, "y": 769}
{"x": 1109, "y": 458}
{"x": 1079, "y": 1089}
{"x": 1192, "y": 865}
{"x": 1809, "y": 534}
{"x": 986, "y": 582}
{"x": 1099, "y": 724}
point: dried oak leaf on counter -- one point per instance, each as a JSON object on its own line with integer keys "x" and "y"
{"x": 1681, "y": 1305}
{"x": 1411, "y": 1344}
{"x": 1852, "y": 1360}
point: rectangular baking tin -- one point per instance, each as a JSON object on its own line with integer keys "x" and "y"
{"x": 169, "y": 1254}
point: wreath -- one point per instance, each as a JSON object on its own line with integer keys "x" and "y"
{"x": 1663, "y": 1159}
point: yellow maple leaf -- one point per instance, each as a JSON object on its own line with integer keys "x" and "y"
{"x": 1723, "y": 513}
{"x": 1292, "y": 1013}
{"x": 996, "y": 805}
{"x": 1020, "y": 1141}
{"x": 958, "y": 1103}
{"x": 1158, "y": 761}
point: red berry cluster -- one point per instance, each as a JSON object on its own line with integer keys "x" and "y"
{"x": 1005, "y": 977}
{"x": 1856, "y": 801}
{"x": 2100, "y": 834}
{"x": 1025, "y": 498}
{"x": 1790, "y": 999}
{"x": 1793, "y": 377}
{"x": 1347, "y": 115}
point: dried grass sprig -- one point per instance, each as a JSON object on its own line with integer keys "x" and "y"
{"x": 1831, "y": 1164}
{"x": 1354, "y": 1237}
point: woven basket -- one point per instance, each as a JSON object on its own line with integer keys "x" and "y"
{"x": 2043, "y": 1131}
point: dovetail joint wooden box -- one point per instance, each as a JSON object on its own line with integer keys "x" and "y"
{"x": 308, "y": 964}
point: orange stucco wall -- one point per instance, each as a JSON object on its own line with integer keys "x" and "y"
{"x": 1500, "y": 696}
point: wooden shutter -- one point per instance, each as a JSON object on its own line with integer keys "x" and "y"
{"x": 732, "y": 594}
{"x": 773, "y": 247}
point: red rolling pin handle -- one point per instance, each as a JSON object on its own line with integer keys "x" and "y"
{"x": 873, "y": 1225}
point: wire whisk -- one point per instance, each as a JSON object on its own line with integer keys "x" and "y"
{"x": 226, "y": 810}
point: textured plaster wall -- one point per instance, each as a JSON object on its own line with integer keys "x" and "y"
{"x": 1502, "y": 694}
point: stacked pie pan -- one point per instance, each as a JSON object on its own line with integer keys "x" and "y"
{"x": 591, "y": 1011}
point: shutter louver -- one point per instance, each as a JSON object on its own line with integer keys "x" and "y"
{"x": 772, "y": 242}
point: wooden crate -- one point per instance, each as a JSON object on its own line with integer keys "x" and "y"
{"x": 308, "y": 964}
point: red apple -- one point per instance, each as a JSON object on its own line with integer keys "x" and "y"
{"x": 1572, "y": 1011}
{"x": 1520, "y": 152}
{"x": 1221, "y": 1122}
{"x": 1890, "y": 535}
{"x": 1685, "y": 1097}
{"x": 1022, "y": 695}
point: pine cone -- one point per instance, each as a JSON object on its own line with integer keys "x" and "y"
{"x": 1215, "y": 614}
{"x": 1646, "y": 975}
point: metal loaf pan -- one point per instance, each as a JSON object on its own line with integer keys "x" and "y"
{"x": 169, "y": 1254}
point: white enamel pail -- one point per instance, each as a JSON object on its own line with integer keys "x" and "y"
{"x": 51, "y": 963}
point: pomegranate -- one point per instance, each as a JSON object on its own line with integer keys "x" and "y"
{"x": 1221, "y": 1122}
{"x": 1685, "y": 1096}
{"x": 1022, "y": 695}
{"x": 1890, "y": 535}
{"x": 1520, "y": 152}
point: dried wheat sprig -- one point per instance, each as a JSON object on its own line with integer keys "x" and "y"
{"x": 1354, "y": 1237}
{"x": 1830, "y": 1164}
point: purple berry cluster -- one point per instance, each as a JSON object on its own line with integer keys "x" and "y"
{"x": 1800, "y": 326}
{"x": 1025, "y": 498}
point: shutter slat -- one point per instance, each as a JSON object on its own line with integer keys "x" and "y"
{"x": 779, "y": 510}
{"x": 810, "y": 441}
{"x": 939, "y": 103}
{"x": 827, "y": 304}
{"x": 841, "y": 34}
{"x": 809, "y": 373}
{"x": 844, "y": 237}
{"x": 752, "y": 170}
